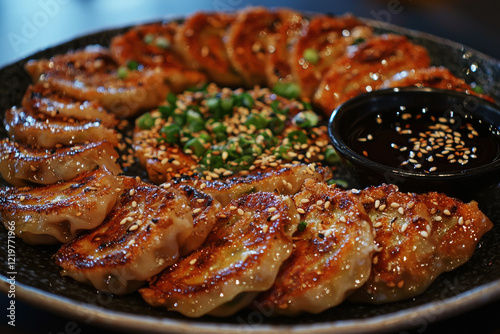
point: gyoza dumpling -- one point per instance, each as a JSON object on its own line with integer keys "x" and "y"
{"x": 332, "y": 253}
{"x": 58, "y": 212}
{"x": 420, "y": 237}
{"x": 26, "y": 129}
{"x": 21, "y": 164}
{"x": 285, "y": 181}
{"x": 139, "y": 238}
{"x": 240, "y": 258}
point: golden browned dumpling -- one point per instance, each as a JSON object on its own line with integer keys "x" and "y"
{"x": 58, "y": 212}
{"x": 419, "y": 237}
{"x": 21, "y": 165}
{"x": 140, "y": 237}
{"x": 241, "y": 256}
{"x": 332, "y": 253}
{"x": 365, "y": 67}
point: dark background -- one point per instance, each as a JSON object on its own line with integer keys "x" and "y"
{"x": 27, "y": 26}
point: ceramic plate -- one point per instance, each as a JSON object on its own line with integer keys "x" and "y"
{"x": 472, "y": 285}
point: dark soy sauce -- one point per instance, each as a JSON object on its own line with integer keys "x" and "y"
{"x": 428, "y": 141}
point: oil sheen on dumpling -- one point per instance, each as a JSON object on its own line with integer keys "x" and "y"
{"x": 332, "y": 254}
{"x": 139, "y": 238}
{"x": 240, "y": 258}
{"x": 58, "y": 212}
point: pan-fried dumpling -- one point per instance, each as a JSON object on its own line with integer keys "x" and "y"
{"x": 58, "y": 212}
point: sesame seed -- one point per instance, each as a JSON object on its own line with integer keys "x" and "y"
{"x": 22, "y": 198}
{"x": 131, "y": 242}
{"x": 401, "y": 210}
{"x": 133, "y": 227}
{"x": 271, "y": 209}
{"x": 424, "y": 234}
{"x": 342, "y": 219}
{"x": 327, "y": 205}
{"x": 375, "y": 259}
{"x": 241, "y": 212}
{"x": 304, "y": 200}
{"x": 319, "y": 202}
{"x": 193, "y": 261}
{"x": 197, "y": 210}
{"x": 461, "y": 221}
{"x": 301, "y": 211}
{"x": 447, "y": 212}
{"x": 232, "y": 207}
{"x": 410, "y": 205}
{"x": 265, "y": 228}
{"x": 134, "y": 204}
{"x": 394, "y": 205}
{"x": 438, "y": 218}
{"x": 131, "y": 192}
{"x": 404, "y": 227}
{"x": 377, "y": 204}
{"x": 275, "y": 217}
{"x": 382, "y": 207}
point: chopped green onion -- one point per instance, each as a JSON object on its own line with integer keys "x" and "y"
{"x": 302, "y": 226}
{"x": 306, "y": 119}
{"x": 195, "y": 121}
{"x": 339, "y": 182}
{"x": 227, "y": 104}
{"x": 478, "y": 89}
{"x": 166, "y": 111}
{"x": 171, "y": 133}
{"x": 146, "y": 121}
{"x": 276, "y": 125}
{"x": 331, "y": 157}
{"x": 256, "y": 120}
{"x": 358, "y": 40}
{"x": 297, "y": 137}
{"x": 148, "y": 38}
{"x": 289, "y": 90}
{"x": 247, "y": 100}
{"x": 311, "y": 55}
{"x": 213, "y": 104}
{"x": 133, "y": 65}
{"x": 162, "y": 42}
{"x": 122, "y": 72}
{"x": 195, "y": 145}
{"x": 171, "y": 98}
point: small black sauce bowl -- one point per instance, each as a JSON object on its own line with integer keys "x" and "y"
{"x": 464, "y": 184}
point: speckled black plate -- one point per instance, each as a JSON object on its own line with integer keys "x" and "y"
{"x": 472, "y": 285}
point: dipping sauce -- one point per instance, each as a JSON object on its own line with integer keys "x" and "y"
{"x": 428, "y": 141}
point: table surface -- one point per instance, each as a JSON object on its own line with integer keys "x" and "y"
{"x": 31, "y": 25}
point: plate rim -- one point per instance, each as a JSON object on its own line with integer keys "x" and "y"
{"x": 439, "y": 309}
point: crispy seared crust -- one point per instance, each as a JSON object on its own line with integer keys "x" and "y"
{"x": 366, "y": 67}
{"x": 28, "y": 130}
{"x": 285, "y": 181}
{"x": 58, "y": 212}
{"x": 437, "y": 77}
{"x": 20, "y": 164}
{"x": 91, "y": 74}
{"x": 246, "y": 45}
{"x": 133, "y": 46}
{"x": 44, "y": 102}
{"x": 199, "y": 40}
{"x": 140, "y": 237}
{"x": 329, "y": 37}
{"x": 279, "y": 45}
{"x": 162, "y": 163}
{"x": 420, "y": 237}
{"x": 205, "y": 209}
{"x": 242, "y": 255}
{"x": 331, "y": 257}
